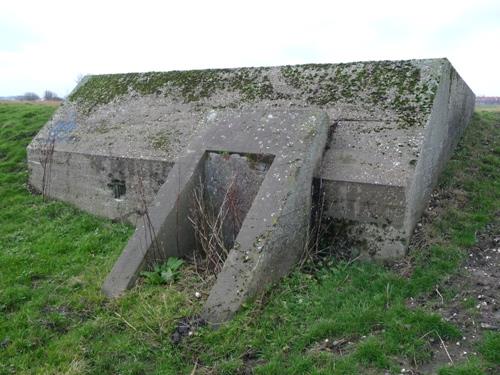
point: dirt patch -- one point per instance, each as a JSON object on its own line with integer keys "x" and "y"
{"x": 251, "y": 359}
{"x": 340, "y": 346}
{"x": 186, "y": 327}
{"x": 474, "y": 307}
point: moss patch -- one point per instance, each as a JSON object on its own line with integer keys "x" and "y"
{"x": 188, "y": 86}
{"x": 390, "y": 85}
{"x": 163, "y": 141}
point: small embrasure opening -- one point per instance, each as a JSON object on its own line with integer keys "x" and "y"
{"x": 118, "y": 188}
{"x": 227, "y": 188}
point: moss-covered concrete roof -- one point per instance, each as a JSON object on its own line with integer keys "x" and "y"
{"x": 406, "y": 88}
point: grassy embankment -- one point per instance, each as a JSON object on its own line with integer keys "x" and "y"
{"x": 53, "y": 318}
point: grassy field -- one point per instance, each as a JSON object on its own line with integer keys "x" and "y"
{"x": 488, "y": 108}
{"x": 345, "y": 318}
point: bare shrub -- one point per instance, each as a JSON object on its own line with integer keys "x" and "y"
{"x": 208, "y": 224}
{"x": 149, "y": 232}
{"x": 313, "y": 248}
{"x": 46, "y": 159}
{"x": 327, "y": 237}
{"x": 51, "y": 95}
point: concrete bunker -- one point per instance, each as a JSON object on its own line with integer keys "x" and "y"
{"x": 393, "y": 125}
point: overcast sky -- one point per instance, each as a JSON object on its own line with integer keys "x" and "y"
{"x": 49, "y": 44}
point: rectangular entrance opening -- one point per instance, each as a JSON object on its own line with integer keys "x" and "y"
{"x": 228, "y": 184}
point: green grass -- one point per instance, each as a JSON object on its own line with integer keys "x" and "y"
{"x": 490, "y": 347}
{"x": 54, "y": 319}
{"x": 472, "y": 367}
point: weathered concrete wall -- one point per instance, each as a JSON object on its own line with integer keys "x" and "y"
{"x": 165, "y": 230}
{"x": 365, "y": 173}
{"x": 114, "y": 187}
{"x": 391, "y": 172}
{"x": 451, "y": 113}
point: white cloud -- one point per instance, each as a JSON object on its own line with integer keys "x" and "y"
{"x": 75, "y": 37}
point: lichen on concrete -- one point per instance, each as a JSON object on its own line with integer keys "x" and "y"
{"x": 397, "y": 86}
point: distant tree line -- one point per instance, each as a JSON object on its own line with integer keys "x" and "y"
{"x": 488, "y": 100}
{"x": 29, "y": 96}
{"x": 50, "y": 95}
{"x": 32, "y": 97}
